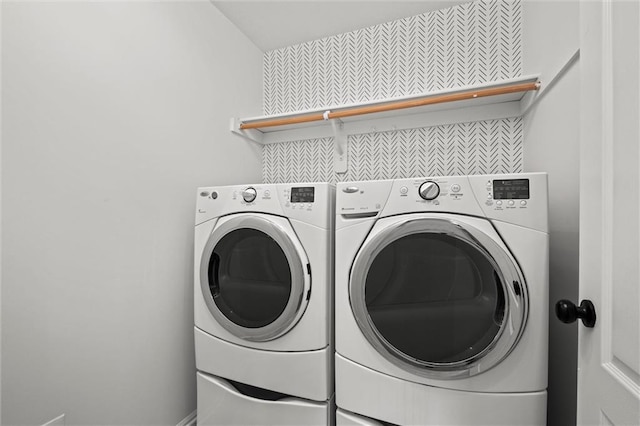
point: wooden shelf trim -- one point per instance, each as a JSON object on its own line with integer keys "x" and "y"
{"x": 391, "y": 105}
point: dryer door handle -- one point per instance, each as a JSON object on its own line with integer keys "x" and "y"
{"x": 568, "y": 312}
{"x": 214, "y": 267}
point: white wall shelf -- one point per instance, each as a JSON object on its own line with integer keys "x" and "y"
{"x": 489, "y": 101}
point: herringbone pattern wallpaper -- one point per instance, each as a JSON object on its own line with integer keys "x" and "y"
{"x": 463, "y": 45}
{"x": 459, "y": 149}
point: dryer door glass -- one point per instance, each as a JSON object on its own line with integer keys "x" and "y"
{"x": 437, "y": 297}
{"x": 249, "y": 278}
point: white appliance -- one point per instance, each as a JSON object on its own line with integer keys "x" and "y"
{"x": 263, "y": 303}
{"x": 442, "y": 299}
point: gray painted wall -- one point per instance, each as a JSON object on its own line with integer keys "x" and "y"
{"x": 551, "y": 144}
{"x": 113, "y": 113}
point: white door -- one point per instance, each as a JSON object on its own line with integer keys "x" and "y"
{"x": 609, "y": 353}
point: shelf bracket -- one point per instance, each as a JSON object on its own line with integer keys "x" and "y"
{"x": 340, "y": 143}
{"x": 255, "y": 136}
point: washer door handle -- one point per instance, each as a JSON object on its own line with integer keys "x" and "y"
{"x": 568, "y": 312}
{"x": 214, "y": 267}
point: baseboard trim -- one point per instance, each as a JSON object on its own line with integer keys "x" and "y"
{"x": 58, "y": 421}
{"x": 190, "y": 420}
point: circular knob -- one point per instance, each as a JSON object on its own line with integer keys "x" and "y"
{"x": 249, "y": 194}
{"x": 568, "y": 312}
{"x": 429, "y": 190}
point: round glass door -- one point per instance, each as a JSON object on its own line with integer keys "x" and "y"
{"x": 252, "y": 278}
{"x": 435, "y": 297}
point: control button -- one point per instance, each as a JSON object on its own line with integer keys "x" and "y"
{"x": 249, "y": 194}
{"x": 429, "y": 190}
{"x": 523, "y": 202}
{"x": 214, "y": 195}
{"x": 267, "y": 193}
{"x": 489, "y": 196}
{"x": 404, "y": 190}
{"x": 498, "y": 203}
{"x": 455, "y": 188}
{"x": 204, "y": 194}
{"x": 511, "y": 202}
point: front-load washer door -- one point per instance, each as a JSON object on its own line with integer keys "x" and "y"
{"x": 254, "y": 276}
{"x": 438, "y": 297}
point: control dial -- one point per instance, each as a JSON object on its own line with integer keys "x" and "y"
{"x": 429, "y": 190}
{"x": 249, "y": 194}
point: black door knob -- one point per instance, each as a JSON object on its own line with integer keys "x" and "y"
{"x": 568, "y": 312}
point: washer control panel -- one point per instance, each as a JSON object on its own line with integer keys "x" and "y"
{"x": 249, "y": 194}
{"x": 308, "y": 202}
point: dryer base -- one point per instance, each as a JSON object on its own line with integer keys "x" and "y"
{"x": 346, "y": 418}
{"x": 382, "y": 397}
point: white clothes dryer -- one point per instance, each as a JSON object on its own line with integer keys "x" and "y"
{"x": 264, "y": 288}
{"x": 442, "y": 299}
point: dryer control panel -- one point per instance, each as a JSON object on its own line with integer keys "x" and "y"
{"x": 520, "y": 198}
{"x": 515, "y": 198}
{"x": 391, "y": 197}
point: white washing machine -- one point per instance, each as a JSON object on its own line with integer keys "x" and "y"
{"x": 263, "y": 302}
{"x": 441, "y": 305}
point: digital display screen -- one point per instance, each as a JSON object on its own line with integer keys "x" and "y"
{"x": 511, "y": 189}
{"x": 304, "y": 194}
